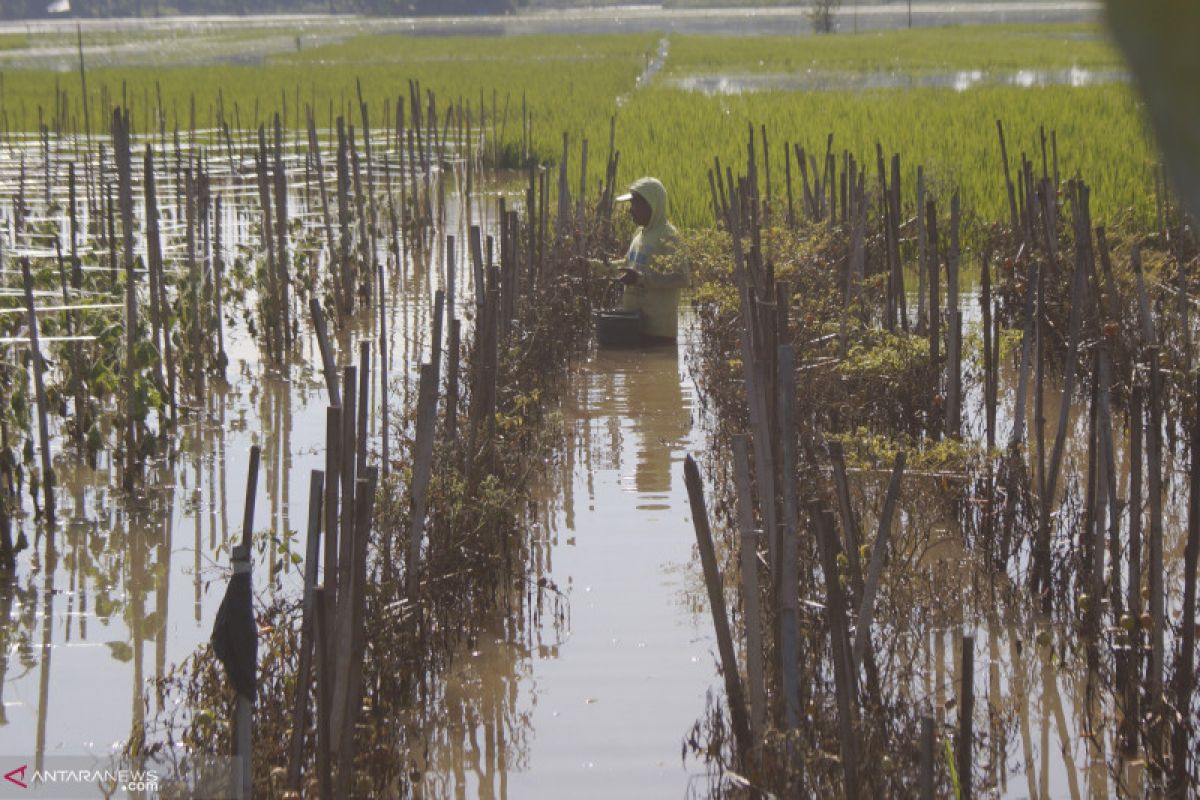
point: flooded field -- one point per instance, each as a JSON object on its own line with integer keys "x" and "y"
{"x": 905, "y": 509}
{"x": 603, "y": 703}
{"x": 128, "y": 585}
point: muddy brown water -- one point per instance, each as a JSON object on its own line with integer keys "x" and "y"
{"x": 600, "y": 707}
{"x": 128, "y": 585}
{"x": 594, "y": 707}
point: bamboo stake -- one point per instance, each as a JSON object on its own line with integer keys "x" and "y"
{"x": 316, "y": 487}
{"x": 866, "y": 613}
{"x": 333, "y": 470}
{"x": 787, "y": 586}
{"x": 241, "y": 563}
{"x": 1185, "y": 674}
{"x": 844, "y": 675}
{"x": 953, "y": 328}
{"x": 751, "y": 611}
{"x": 353, "y": 629}
{"x": 48, "y": 478}
{"x": 325, "y": 644}
{"x": 966, "y": 713}
{"x": 121, "y": 154}
{"x": 716, "y": 599}
{"x": 849, "y": 522}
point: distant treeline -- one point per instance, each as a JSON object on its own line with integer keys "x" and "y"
{"x": 92, "y": 9}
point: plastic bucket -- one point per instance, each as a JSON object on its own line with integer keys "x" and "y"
{"x": 618, "y": 328}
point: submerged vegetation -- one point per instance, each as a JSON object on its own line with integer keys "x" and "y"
{"x": 1015, "y": 466}
{"x": 899, "y": 481}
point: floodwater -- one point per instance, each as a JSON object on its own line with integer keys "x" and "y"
{"x": 1044, "y": 725}
{"x": 600, "y": 706}
{"x": 597, "y": 706}
{"x": 958, "y": 80}
{"x": 128, "y": 586}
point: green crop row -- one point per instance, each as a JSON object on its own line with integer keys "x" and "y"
{"x": 569, "y": 84}
{"x": 1099, "y": 130}
{"x": 992, "y": 47}
{"x": 576, "y": 84}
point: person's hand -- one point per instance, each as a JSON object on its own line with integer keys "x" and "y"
{"x": 629, "y": 276}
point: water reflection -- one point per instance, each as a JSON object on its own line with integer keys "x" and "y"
{"x": 640, "y": 392}
{"x": 601, "y": 708}
{"x": 127, "y": 586}
{"x": 958, "y": 80}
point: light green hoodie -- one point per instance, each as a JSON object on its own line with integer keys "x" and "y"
{"x": 656, "y": 294}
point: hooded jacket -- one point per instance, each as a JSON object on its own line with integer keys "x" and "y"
{"x": 656, "y": 294}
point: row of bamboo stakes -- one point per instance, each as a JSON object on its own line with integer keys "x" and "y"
{"x": 334, "y": 622}
{"x": 199, "y": 354}
{"x": 784, "y": 454}
{"x": 355, "y": 225}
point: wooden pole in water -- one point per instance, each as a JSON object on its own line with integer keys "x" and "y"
{"x": 1154, "y": 458}
{"x": 385, "y": 433}
{"x": 81, "y": 405}
{"x": 274, "y": 334}
{"x": 850, "y": 526}
{"x": 966, "y": 713}
{"x": 281, "y": 253}
{"x": 843, "y": 671}
{"x": 219, "y": 288}
{"x": 751, "y": 610}
{"x": 926, "y": 779}
{"x": 866, "y": 614}
{"x": 953, "y": 328}
{"x": 39, "y": 385}
{"x": 1008, "y": 184}
{"x": 1132, "y": 688}
{"x": 153, "y": 262}
{"x": 325, "y": 643}
{"x": 333, "y": 472}
{"x": 328, "y": 362}
{"x": 304, "y": 673}
{"x": 1185, "y": 675}
{"x": 788, "y": 586}
{"x": 935, "y": 327}
{"x": 452, "y": 381}
{"x": 241, "y": 563}
{"x": 364, "y": 400}
{"x": 349, "y": 463}
{"x": 122, "y": 156}
{"x": 716, "y": 599}
{"x": 314, "y": 149}
{"x": 352, "y": 627}
{"x": 921, "y": 263}
{"x": 989, "y": 366}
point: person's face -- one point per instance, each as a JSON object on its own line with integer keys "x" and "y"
{"x": 639, "y": 210}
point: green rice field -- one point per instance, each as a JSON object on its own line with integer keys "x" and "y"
{"x": 576, "y": 84}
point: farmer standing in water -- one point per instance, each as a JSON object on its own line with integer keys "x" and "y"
{"x": 651, "y": 277}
